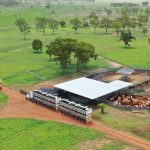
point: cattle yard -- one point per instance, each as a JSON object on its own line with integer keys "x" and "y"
{"x": 136, "y": 96}
{"x": 127, "y": 89}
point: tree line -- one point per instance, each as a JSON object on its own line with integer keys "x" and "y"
{"x": 120, "y": 23}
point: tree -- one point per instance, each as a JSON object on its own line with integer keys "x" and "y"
{"x": 106, "y": 23}
{"x": 37, "y": 45}
{"x": 76, "y": 24}
{"x": 117, "y": 26}
{"x": 53, "y": 24}
{"x": 94, "y": 21}
{"x": 85, "y": 23}
{"x": 102, "y": 106}
{"x": 48, "y": 4}
{"x": 41, "y": 23}
{"x": 83, "y": 52}
{"x": 144, "y": 30}
{"x": 126, "y": 37}
{"x": 147, "y": 11}
{"x": 61, "y": 49}
{"x": 62, "y": 24}
{"x": 125, "y": 19}
{"x": 141, "y": 20}
{"x": 108, "y": 11}
{"x": 23, "y": 26}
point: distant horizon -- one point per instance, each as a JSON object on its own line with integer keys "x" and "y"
{"x": 123, "y": 1}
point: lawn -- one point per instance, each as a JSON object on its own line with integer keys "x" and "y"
{"x": 136, "y": 124}
{"x": 3, "y": 100}
{"x": 28, "y": 134}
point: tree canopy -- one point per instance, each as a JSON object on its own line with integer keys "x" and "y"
{"x": 63, "y": 48}
{"x": 76, "y": 24}
{"x": 126, "y": 37}
{"x": 94, "y": 21}
{"x": 37, "y": 45}
{"x": 106, "y": 23}
{"x": 62, "y": 24}
{"x": 23, "y": 26}
{"x": 53, "y": 24}
{"x": 41, "y": 23}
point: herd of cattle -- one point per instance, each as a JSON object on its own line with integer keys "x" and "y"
{"x": 133, "y": 100}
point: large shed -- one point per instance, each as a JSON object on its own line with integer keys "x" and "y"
{"x": 92, "y": 89}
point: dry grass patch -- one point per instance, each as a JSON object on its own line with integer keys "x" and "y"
{"x": 93, "y": 144}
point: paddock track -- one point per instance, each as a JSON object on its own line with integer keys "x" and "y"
{"x": 19, "y": 107}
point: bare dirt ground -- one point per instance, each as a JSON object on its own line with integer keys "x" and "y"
{"x": 19, "y": 107}
{"x": 138, "y": 78}
{"x": 111, "y": 63}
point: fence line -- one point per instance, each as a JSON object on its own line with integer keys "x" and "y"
{"x": 126, "y": 107}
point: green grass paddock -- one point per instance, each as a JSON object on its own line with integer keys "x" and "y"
{"x": 28, "y": 134}
{"x": 16, "y": 57}
{"x": 133, "y": 123}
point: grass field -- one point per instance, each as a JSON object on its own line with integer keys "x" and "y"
{"x": 137, "y": 124}
{"x": 23, "y": 134}
{"x": 3, "y": 100}
{"x": 16, "y": 57}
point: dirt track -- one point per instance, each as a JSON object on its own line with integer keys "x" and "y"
{"x": 19, "y": 107}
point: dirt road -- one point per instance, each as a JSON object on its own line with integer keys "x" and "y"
{"x": 19, "y": 107}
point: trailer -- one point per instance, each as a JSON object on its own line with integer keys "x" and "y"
{"x": 44, "y": 98}
{"x": 65, "y": 106}
{"x": 78, "y": 111}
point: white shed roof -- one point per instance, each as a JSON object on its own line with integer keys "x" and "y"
{"x": 90, "y": 88}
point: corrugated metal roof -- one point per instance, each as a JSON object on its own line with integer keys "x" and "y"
{"x": 90, "y": 88}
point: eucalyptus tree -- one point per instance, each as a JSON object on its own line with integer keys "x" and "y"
{"x": 53, "y": 25}
{"x": 108, "y": 11}
{"x": 61, "y": 50}
{"x": 147, "y": 11}
{"x": 144, "y": 30}
{"x": 62, "y": 24}
{"x": 106, "y": 23}
{"x": 41, "y": 23}
{"x": 23, "y": 26}
{"x": 76, "y": 24}
{"x": 127, "y": 37}
{"x": 83, "y": 52}
{"x": 141, "y": 20}
{"x": 37, "y": 45}
{"x": 117, "y": 25}
{"x": 94, "y": 21}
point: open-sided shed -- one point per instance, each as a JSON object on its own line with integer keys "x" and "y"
{"x": 91, "y": 89}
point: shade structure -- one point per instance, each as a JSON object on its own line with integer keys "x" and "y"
{"x": 126, "y": 71}
{"x": 91, "y": 89}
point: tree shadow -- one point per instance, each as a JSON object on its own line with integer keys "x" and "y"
{"x": 128, "y": 48}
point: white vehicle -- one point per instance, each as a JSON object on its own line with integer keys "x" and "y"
{"x": 0, "y": 84}
{"x": 29, "y": 95}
